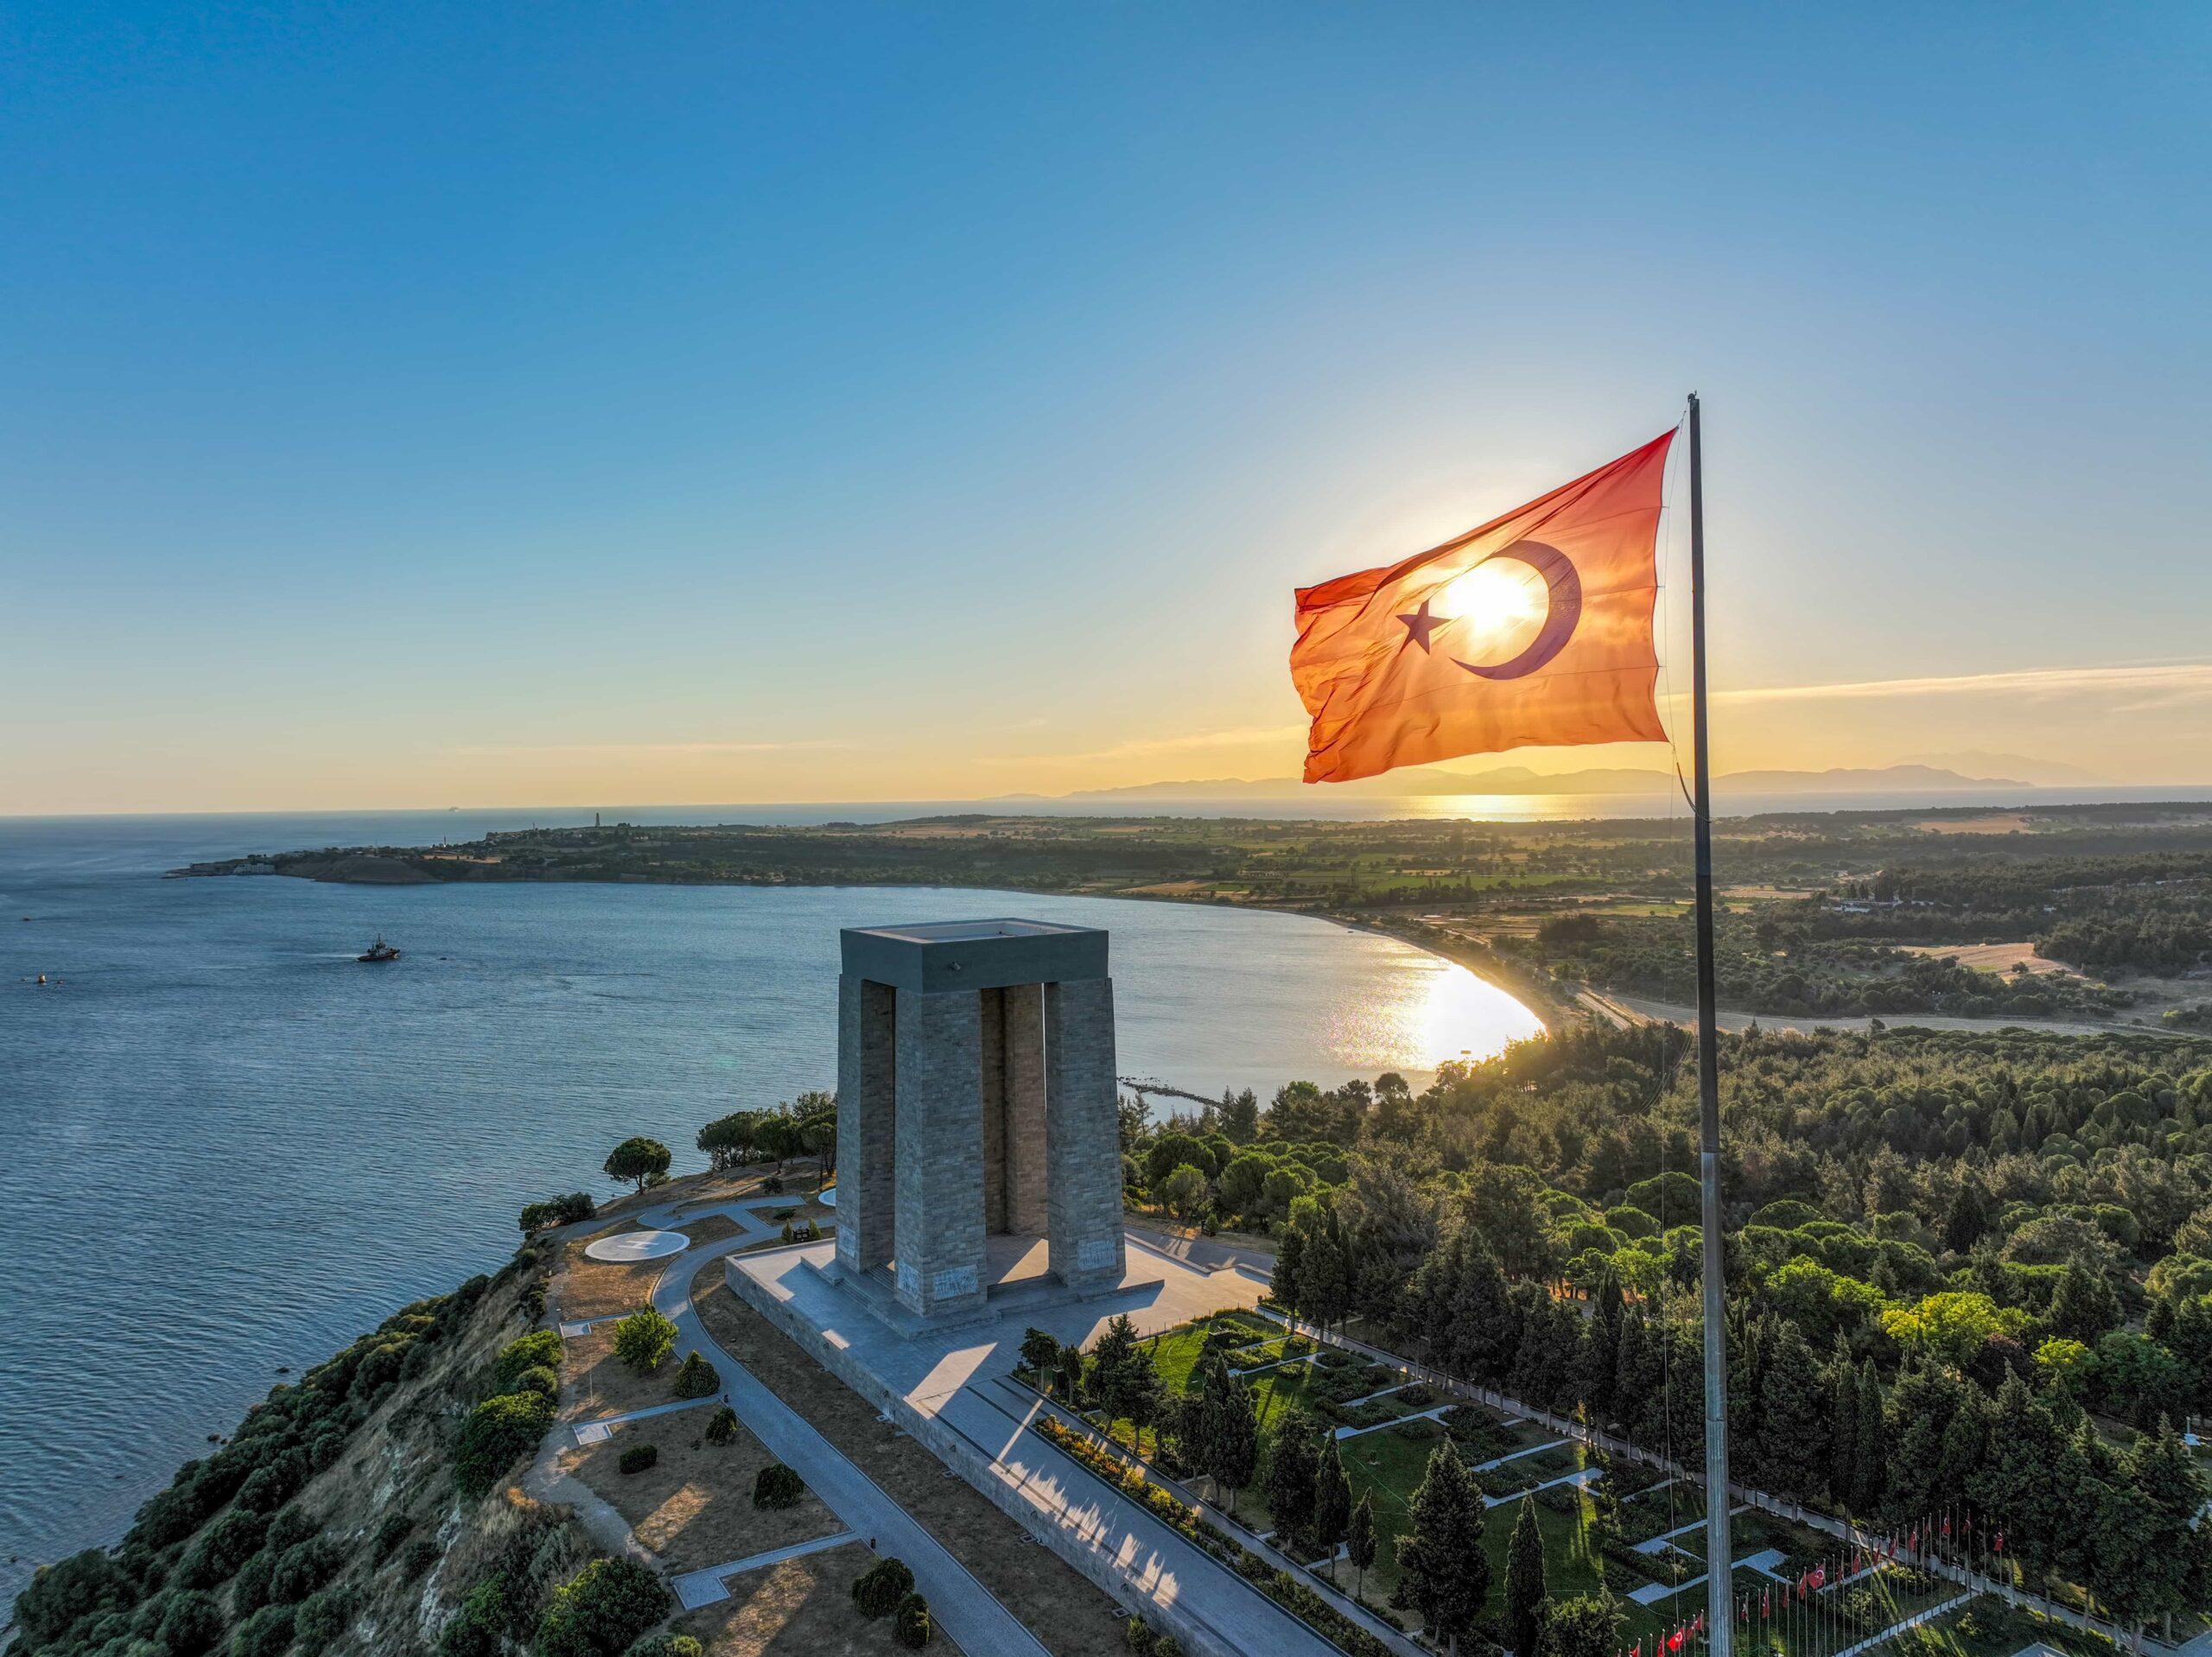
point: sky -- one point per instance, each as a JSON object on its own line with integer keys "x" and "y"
{"x": 418, "y": 405}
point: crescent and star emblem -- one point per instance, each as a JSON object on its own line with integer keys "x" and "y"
{"x": 1563, "y": 594}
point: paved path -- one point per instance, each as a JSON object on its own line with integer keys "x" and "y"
{"x": 1394, "y": 1421}
{"x": 1579, "y": 1478}
{"x": 698, "y": 1588}
{"x": 970, "y": 1615}
{"x": 599, "y": 1431}
{"x": 1500, "y": 1461}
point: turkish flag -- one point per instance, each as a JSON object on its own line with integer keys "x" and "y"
{"x": 1533, "y": 631}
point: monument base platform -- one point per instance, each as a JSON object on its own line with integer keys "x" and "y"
{"x": 952, "y": 1388}
{"x": 1018, "y": 1281}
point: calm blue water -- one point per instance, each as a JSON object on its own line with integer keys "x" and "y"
{"x": 228, "y": 1146}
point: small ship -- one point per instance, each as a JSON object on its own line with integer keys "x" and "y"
{"x": 380, "y": 951}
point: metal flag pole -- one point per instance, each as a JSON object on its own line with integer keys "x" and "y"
{"x": 1719, "y": 1582}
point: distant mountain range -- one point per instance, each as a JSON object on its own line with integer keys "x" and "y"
{"x": 1519, "y": 779}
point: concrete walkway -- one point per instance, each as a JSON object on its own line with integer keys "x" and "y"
{"x": 1394, "y": 1421}
{"x": 970, "y": 1615}
{"x": 1580, "y": 1478}
{"x": 599, "y": 1431}
{"x": 698, "y": 1588}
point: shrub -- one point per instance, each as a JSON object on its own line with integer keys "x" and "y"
{"x": 540, "y": 1380}
{"x": 60, "y": 1596}
{"x": 325, "y": 1615}
{"x": 1419, "y": 1395}
{"x": 265, "y": 1634}
{"x": 250, "y": 1588}
{"x": 878, "y": 1589}
{"x": 302, "y": 1568}
{"x": 722, "y": 1426}
{"x": 540, "y": 1349}
{"x": 421, "y": 1556}
{"x": 1167, "y": 1646}
{"x": 638, "y": 1458}
{"x": 695, "y": 1378}
{"x": 777, "y": 1486}
{"x": 500, "y": 1433}
{"x": 910, "y": 1623}
{"x": 644, "y": 1340}
{"x": 667, "y": 1645}
{"x": 222, "y": 1548}
{"x": 600, "y": 1610}
{"x": 1139, "y": 1635}
{"x": 290, "y": 1529}
{"x": 557, "y": 1212}
{"x": 263, "y": 1491}
{"x": 190, "y": 1625}
{"x": 479, "y": 1628}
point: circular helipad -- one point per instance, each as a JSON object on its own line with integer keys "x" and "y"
{"x": 638, "y": 1244}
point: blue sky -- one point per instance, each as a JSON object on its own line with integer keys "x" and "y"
{"x": 415, "y": 405}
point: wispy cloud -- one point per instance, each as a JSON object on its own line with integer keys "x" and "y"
{"x": 1243, "y": 736}
{"x": 807, "y": 746}
{"x": 2161, "y": 686}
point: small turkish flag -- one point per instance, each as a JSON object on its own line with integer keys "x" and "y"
{"x": 1532, "y": 630}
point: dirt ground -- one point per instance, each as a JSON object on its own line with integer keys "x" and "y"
{"x": 1071, "y": 1616}
{"x": 802, "y": 1608}
{"x": 597, "y": 1288}
{"x": 1998, "y": 822}
{"x": 693, "y": 1506}
{"x": 1990, "y": 957}
{"x": 594, "y": 1383}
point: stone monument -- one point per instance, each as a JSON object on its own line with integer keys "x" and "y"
{"x": 975, "y": 1113}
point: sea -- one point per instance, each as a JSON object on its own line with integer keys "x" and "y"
{"x": 227, "y": 1147}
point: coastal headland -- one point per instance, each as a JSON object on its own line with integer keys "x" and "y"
{"x": 2073, "y": 916}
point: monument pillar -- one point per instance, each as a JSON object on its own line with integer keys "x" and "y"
{"x": 940, "y": 1150}
{"x": 1083, "y": 1139}
{"x": 975, "y": 1097}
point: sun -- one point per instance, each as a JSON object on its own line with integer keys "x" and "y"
{"x": 1497, "y": 609}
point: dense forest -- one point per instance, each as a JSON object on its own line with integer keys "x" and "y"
{"x": 1969, "y": 1276}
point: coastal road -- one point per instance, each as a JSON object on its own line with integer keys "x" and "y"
{"x": 1624, "y": 1010}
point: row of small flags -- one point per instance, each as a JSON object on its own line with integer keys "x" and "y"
{"x": 1943, "y": 1537}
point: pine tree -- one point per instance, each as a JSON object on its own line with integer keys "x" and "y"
{"x": 1919, "y": 1408}
{"x": 1485, "y": 1331}
{"x": 1445, "y": 1572}
{"x": 2175, "y": 1554}
{"x": 1790, "y": 1428}
{"x": 1524, "y": 1582}
{"x": 2084, "y": 1308}
{"x": 1967, "y": 1217}
{"x": 1332, "y": 1499}
{"x": 1324, "y": 1274}
{"x": 2031, "y": 1482}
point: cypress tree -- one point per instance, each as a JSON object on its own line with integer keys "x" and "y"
{"x": 1359, "y": 1540}
{"x": 2031, "y": 1482}
{"x": 1524, "y": 1582}
{"x": 1843, "y": 1422}
{"x": 1445, "y": 1572}
{"x": 1287, "y": 1281}
{"x": 1484, "y": 1329}
{"x": 1292, "y": 1464}
{"x": 1332, "y": 1499}
{"x": 1232, "y": 1428}
{"x": 1790, "y": 1431}
{"x": 2175, "y": 1554}
{"x": 1872, "y": 1466}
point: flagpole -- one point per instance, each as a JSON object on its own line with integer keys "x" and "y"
{"x": 1719, "y": 1582}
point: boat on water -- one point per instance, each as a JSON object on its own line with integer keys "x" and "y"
{"x": 380, "y": 951}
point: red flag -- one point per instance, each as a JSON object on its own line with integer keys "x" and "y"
{"x": 1999, "y": 1545}
{"x": 1766, "y": 1601}
{"x": 1533, "y": 629}
{"x": 1675, "y": 1640}
{"x": 1821, "y": 1576}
